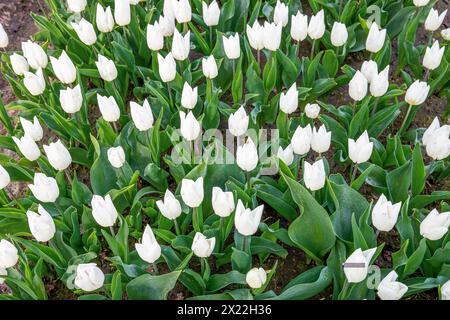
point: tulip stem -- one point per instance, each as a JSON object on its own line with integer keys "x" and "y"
{"x": 258, "y": 57}
{"x": 354, "y": 171}
{"x": 247, "y": 173}
{"x": 210, "y": 35}
{"x": 170, "y": 94}
{"x": 155, "y": 268}
{"x": 116, "y": 129}
{"x": 375, "y": 105}
{"x": 177, "y": 228}
{"x": 313, "y": 48}
{"x": 405, "y": 120}
{"x": 67, "y": 174}
{"x": 222, "y": 233}
{"x": 193, "y": 152}
{"x": 344, "y": 290}
{"x": 112, "y": 231}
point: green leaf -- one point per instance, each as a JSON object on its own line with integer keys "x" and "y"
{"x": 220, "y": 281}
{"x": 415, "y": 260}
{"x": 148, "y": 287}
{"x": 418, "y": 171}
{"x": 398, "y": 182}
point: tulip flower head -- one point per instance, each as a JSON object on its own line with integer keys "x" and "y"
{"x": 41, "y": 224}
{"x": 182, "y": 10}
{"x": 32, "y": 129}
{"x": 106, "y": 68}
{"x": 316, "y": 26}
{"x": 44, "y": 188}
{"x": 339, "y": 34}
{"x": 58, "y": 155}
{"x": 417, "y": 93}
{"x": 155, "y": 37}
{"x": 246, "y": 220}
{"x": 77, "y": 6}
{"x": 4, "y": 40}
{"x": 64, "y": 68}
{"x": 71, "y": 99}
{"x": 108, "y": 108}
{"x": 209, "y": 67}
{"x": 301, "y": 140}
{"x": 312, "y": 110}
{"x": 420, "y": 3}
{"x": 116, "y": 156}
{"x": 380, "y": 83}
{"x": 314, "y": 175}
{"x": 375, "y": 38}
{"x": 445, "y": 291}
{"x": 122, "y": 12}
{"x": 211, "y": 13}
{"x": 181, "y": 45}
{"x": 142, "y": 116}
{"x": 8, "y": 254}
{"x": 286, "y": 155}
{"x": 433, "y": 56}
{"x": 19, "y": 64}
{"x": 222, "y": 202}
{"x": 435, "y": 225}
{"x": 370, "y": 70}
{"x": 238, "y": 122}
{"x": 89, "y": 277}
{"x": 390, "y": 289}
{"x": 247, "y": 155}
{"x": 103, "y": 210}
{"x": 281, "y": 14}
{"x": 255, "y": 35}
{"x": 434, "y": 20}
{"x": 321, "y": 139}
{"x": 192, "y": 192}
{"x": 385, "y": 214}
{"x": 299, "y": 27}
{"x": 167, "y": 67}
{"x": 170, "y": 207}
{"x": 27, "y": 147}
{"x": 202, "y": 246}
{"x": 272, "y": 36}
{"x": 85, "y": 31}
{"x": 256, "y": 278}
{"x": 34, "y": 82}
{"x": 189, "y": 126}
{"x": 357, "y": 264}
{"x": 289, "y": 100}
{"x": 149, "y": 249}
{"x": 360, "y": 150}
{"x": 166, "y": 25}
{"x": 104, "y": 19}
{"x": 5, "y": 179}
{"x": 189, "y": 96}
{"x": 357, "y": 87}
{"x": 232, "y": 46}
{"x": 35, "y": 55}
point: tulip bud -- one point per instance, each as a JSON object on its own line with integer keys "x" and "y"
{"x": 142, "y": 115}
{"x": 321, "y": 139}
{"x": 434, "y": 20}
{"x": 27, "y": 147}
{"x": 183, "y": 12}
{"x": 77, "y": 6}
{"x": 155, "y": 37}
{"x": 446, "y": 34}
{"x": 339, "y": 34}
{"x": 390, "y": 289}
{"x": 167, "y": 67}
{"x": 34, "y": 82}
{"x": 104, "y": 19}
{"x": 286, "y": 155}
{"x": 439, "y": 146}
{"x": 189, "y": 126}
{"x": 192, "y": 192}
{"x": 272, "y": 36}
{"x": 58, "y": 155}
{"x": 247, "y": 155}
{"x": 103, "y": 210}
{"x": 71, "y": 99}
{"x": 122, "y": 12}
{"x": 35, "y": 55}
{"x": 4, "y": 177}
{"x": 201, "y": 246}
{"x": 435, "y": 225}
{"x": 281, "y": 14}
{"x": 420, "y": 3}
{"x": 108, "y": 108}
{"x": 116, "y": 157}
{"x": 301, "y": 140}
{"x": 314, "y": 175}
{"x": 4, "y": 41}
{"x": 232, "y": 46}
{"x": 357, "y": 87}
{"x": 166, "y": 25}
{"x": 357, "y": 264}
{"x": 106, "y": 68}
{"x": 434, "y": 128}
{"x": 289, "y": 100}
{"x": 45, "y": 189}
{"x": 246, "y": 220}
{"x": 255, "y": 35}
{"x": 19, "y": 64}
{"x": 222, "y": 202}
{"x": 375, "y": 38}
{"x": 41, "y": 224}
{"x": 385, "y": 214}
{"x": 63, "y": 68}
{"x": 32, "y": 129}
{"x": 209, "y": 67}
{"x": 238, "y": 122}
{"x": 149, "y": 249}
{"x": 168, "y": 8}
{"x": 3, "y": 272}
{"x": 256, "y": 278}
{"x": 89, "y": 277}
{"x": 211, "y": 13}
{"x": 299, "y": 27}
{"x": 433, "y": 56}
{"x": 170, "y": 207}
{"x": 85, "y": 31}
{"x": 181, "y": 45}
{"x": 189, "y": 96}
{"x": 316, "y": 26}
{"x": 370, "y": 70}
{"x": 361, "y": 150}
{"x": 8, "y": 254}
{"x": 417, "y": 93}
{"x": 380, "y": 83}
{"x": 445, "y": 291}
{"x": 312, "y": 110}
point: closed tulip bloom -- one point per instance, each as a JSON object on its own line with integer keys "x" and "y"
{"x": 434, "y": 20}
{"x": 104, "y": 19}
{"x": 3, "y": 272}
{"x": 390, "y": 289}
{"x": 357, "y": 87}
{"x": 417, "y": 93}
{"x": 41, "y": 224}
{"x": 116, "y": 156}
{"x": 321, "y": 139}
{"x": 108, "y": 108}
{"x": 256, "y": 278}
{"x": 103, "y": 210}
{"x": 385, "y": 214}
{"x": 189, "y": 96}
{"x": 211, "y": 13}
{"x": 289, "y": 100}
{"x": 4, "y": 40}
{"x": 433, "y": 56}
{"x": 375, "y": 38}
{"x": 167, "y": 67}
{"x": 44, "y": 188}
{"x": 272, "y": 36}
{"x": 238, "y": 122}
{"x": 202, "y": 246}
{"x": 19, "y": 64}
{"x": 4, "y": 177}
{"x": 439, "y": 146}
{"x": 89, "y": 277}
{"x": 255, "y": 35}
{"x": 35, "y": 55}
{"x": 34, "y": 82}
{"x": 299, "y": 27}
{"x": 166, "y": 25}
{"x": 281, "y": 14}
{"x": 168, "y": 8}
{"x": 32, "y": 129}
{"x": 8, "y": 254}
{"x": 209, "y": 67}
{"x": 189, "y": 126}
{"x": 357, "y": 264}
{"x": 420, "y": 3}
{"x": 181, "y": 45}
{"x": 63, "y": 68}
{"x": 149, "y": 249}
{"x": 339, "y": 34}
{"x": 314, "y": 175}
{"x": 155, "y": 37}
{"x": 286, "y": 155}
{"x": 370, "y": 70}
{"x": 77, "y": 6}
{"x": 301, "y": 140}
{"x": 428, "y": 133}
{"x": 316, "y": 26}
{"x": 312, "y": 110}
{"x": 247, "y": 155}
{"x": 71, "y": 99}
{"x": 246, "y": 220}
{"x": 446, "y": 34}
{"x": 170, "y": 207}
{"x": 58, "y": 155}
{"x": 380, "y": 83}
{"x": 27, "y": 147}
{"x": 183, "y": 11}
{"x": 445, "y": 291}
{"x": 435, "y": 225}
{"x": 222, "y": 202}
{"x": 360, "y": 150}
{"x": 192, "y": 192}
{"x": 142, "y": 115}
{"x": 85, "y": 31}
{"x": 232, "y": 46}
{"x": 106, "y": 68}
{"x": 122, "y": 12}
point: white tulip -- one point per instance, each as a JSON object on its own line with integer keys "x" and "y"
{"x": 149, "y": 249}
{"x": 420, "y": 3}
{"x": 77, "y": 6}
{"x": 8, "y": 254}
{"x": 256, "y": 278}
{"x": 3, "y": 272}
{"x": 385, "y": 214}
{"x": 357, "y": 87}
{"x": 189, "y": 126}
{"x": 281, "y": 14}
{"x": 429, "y": 132}
{"x": 370, "y": 70}
{"x": 238, "y": 122}
{"x": 5, "y": 179}
{"x": 247, "y": 155}
{"x": 390, "y": 289}
{"x": 201, "y": 246}
{"x": 289, "y": 100}
{"x": 189, "y": 96}
{"x": 232, "y": 46}
{"x": 142, "y": 116}
{"x": 63, "y": 68}
{"x": 41, "y": 224}
{"x": 286, "y": 155}
{"x": 301, "y": 140}
{"x": 167, "y": 67}
{"x": 246, "y": 220}
{"x": 211, "y": 13}
{"x": 446, "y": 34}
{"x": 35, "y": 55}
{"x": 104, "y": 19}
{"x": 445, "y": 291}
{"x": 116, "y": 156}
{"x": 375, "y": 38}
{"x": 312, "y": 110}
{"x": 255, "y": 35}
{"x": 435, "y": 225}
{"x": 339, "y": 34}
{"x": 182, "y": 11}
{"x": 209, "y": 67}
{"x": 272, "y": 36}
{"x": 299, "y": 27}
{"x": 434, "y": 20}
{"x": 103, "y": 210}
{"x": 89, "y": 277}
{"x": 380, "y": 83}
{"x": 168, "y": 8}
{"x": 85, "y": 31}
{"x": 27, "y": 147}
{"x": 4, "y": 40}
{"x": 122, "y": 12}
{"x": 166, "y": 25}
{"x": 417, "y": 93}
{"x": 439, "y": 146}
{"x": 314, "y": 175}
{"x": 71, "y": 99}
{"x": 321, "y": 139}
{"x": 106, "y": 68}
{"x": 58, "y": 155}
{"x": 155, "y": 37}
{"x": 44, "y": 188}
{"x": 316, "y": 26}
{"x": 19, "y": 64}
{"x": 433, "y": 56}
{"x": 108, "y": 108}
{"x": 360, "y": 150}
{"x": 32, "y": 129}
{"x": 181, "y": 45}
{"x": 192, "y": 192}
{"x": 357, "y": 264}
{"x": 170, "y": 207}
{"x": 34, "y": 82}
{"x": 222, "y": 202}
